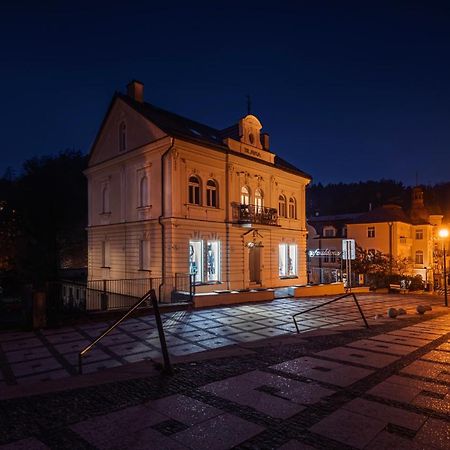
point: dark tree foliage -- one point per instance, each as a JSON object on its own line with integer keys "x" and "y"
{"x": 344, "y": 198}
{"x": 50, "y": 201}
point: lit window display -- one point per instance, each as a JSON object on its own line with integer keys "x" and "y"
{"x": 288, "y": 260}
{"x": 196, "y": 260}
{"x": 213, "y": 260}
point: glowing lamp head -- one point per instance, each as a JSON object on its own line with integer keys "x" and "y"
{"x": 443, "y": 233}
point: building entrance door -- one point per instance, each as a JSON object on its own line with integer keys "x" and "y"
{"x": 254, "y": 262}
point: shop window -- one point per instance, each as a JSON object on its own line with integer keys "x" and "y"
{"x": 213, "y": 260}
{"x": 288, "y": 260}
{"x": 211, "y": 194}
{"x": 194, "y": 190}
{"x": 196, "y": 260}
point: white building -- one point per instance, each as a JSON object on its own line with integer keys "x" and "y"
{"x": 168, "y": 195}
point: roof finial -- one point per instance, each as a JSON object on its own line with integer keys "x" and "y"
{"x": 249, "y": 104}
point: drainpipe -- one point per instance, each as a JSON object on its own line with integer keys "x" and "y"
{"x": 390, "y": 247}
{"x": 227, "y": 218}
{"x": 163, "y": 234}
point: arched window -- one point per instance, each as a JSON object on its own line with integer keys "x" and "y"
{"x": 259, "y": 200}
{"x": 194, "y": 190}
{"x": 282, "y": 206}
{"x": 211, "y": 194}
{"x": 143, "y": 192}
{"x": 105, "y": 199}
{"x": 122, "y": 136}
{"x": 245, "y": 195}
{"x": 292, "y": 208}
{"x": 419, "y": 257}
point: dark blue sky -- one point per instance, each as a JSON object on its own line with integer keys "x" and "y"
{"x": 347, "y": 90}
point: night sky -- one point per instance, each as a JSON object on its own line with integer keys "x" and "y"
{"x": 348, "y": 91}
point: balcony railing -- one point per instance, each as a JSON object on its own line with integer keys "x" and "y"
{"x": 249, "y": 214}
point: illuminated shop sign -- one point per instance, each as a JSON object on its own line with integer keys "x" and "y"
{"x": 319, "y": 252}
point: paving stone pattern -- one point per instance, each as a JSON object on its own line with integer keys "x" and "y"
{"x": 307, "y": 394}
{"x": 52, "y": 354}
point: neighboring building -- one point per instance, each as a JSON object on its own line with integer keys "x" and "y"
{"x": 325, "y": 235}
{"x": 387, "y": 229}
{"x": 168, "y": 195}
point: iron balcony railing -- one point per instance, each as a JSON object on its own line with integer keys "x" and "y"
{"x": 249, "y": 214}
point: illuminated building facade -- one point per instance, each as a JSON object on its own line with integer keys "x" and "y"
{"x": 168, "y": 195}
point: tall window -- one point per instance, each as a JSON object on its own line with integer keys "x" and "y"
{"x": 122, "y": 136}
{"x": 144, "y": 254}
{"x": 371, "y": 232}
{"x": 419, "y": 257}
{"x": 196, "y": 260}
{"x": 143, "y": 191}
{"x": 292, "y": 208}
{"x": 105, "y": 199}
{"x": 245, "y": 195}
{"x": 211, "y": 193}
{"x": 105, "y": 254}
{"x": 282, "y": 206}
{"x": 194, "y": 190}
{"x": 213, "y": 260}
{"x": 419, "y": 234}
{"x": 288, "y": 260}
{"x": 259, "y": 200}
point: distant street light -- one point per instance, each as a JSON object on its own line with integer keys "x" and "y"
{"x": 443, "y": 234}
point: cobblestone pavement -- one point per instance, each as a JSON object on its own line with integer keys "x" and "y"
{"x": 28, "y": 357}
{"x": 387, "y": 387}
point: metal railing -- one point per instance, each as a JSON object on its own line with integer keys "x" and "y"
{"x": 254, "y": 214}
{"x": 150, "y": 295}
{"x": 350, "y": 294}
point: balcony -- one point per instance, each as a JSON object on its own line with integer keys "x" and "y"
{"x": 254, "y": 214}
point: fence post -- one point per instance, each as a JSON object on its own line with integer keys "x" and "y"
{"x": 104, "y": 297}
{"x": 162, "y": 339}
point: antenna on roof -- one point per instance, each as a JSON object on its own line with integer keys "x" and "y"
{"x": 249, "y": 104}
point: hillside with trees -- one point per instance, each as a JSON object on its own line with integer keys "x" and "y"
{"x": 343, "y": 198}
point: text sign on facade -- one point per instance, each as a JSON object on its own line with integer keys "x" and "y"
{"x": 348, "y": 249}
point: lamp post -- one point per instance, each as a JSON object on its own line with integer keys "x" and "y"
{"x": 443, "y": 234}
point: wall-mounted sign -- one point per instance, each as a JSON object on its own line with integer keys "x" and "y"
{"x": 321, "y": 252}
{"x": 348, "y": 249}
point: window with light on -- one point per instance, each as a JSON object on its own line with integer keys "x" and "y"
{"x": 288, "y": 260}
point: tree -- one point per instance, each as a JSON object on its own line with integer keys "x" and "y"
{"x": 50, "y": 200}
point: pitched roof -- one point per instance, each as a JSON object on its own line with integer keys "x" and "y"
{"x": 184, "y": 128}
{"x": 386, "y": 213}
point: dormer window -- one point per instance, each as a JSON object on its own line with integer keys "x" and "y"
{"x": 122, "y": 137}
{"x": 329, "y": 231}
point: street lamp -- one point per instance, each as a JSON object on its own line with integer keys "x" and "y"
{"x": 443, "y": 234}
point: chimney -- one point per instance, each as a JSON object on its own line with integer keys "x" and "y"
{"x": 265, "y": 141}
{"x": 135, "y": 90}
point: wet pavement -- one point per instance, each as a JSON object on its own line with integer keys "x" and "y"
{"x": 345, "y": 387}
{"x": 53, "y": 354}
